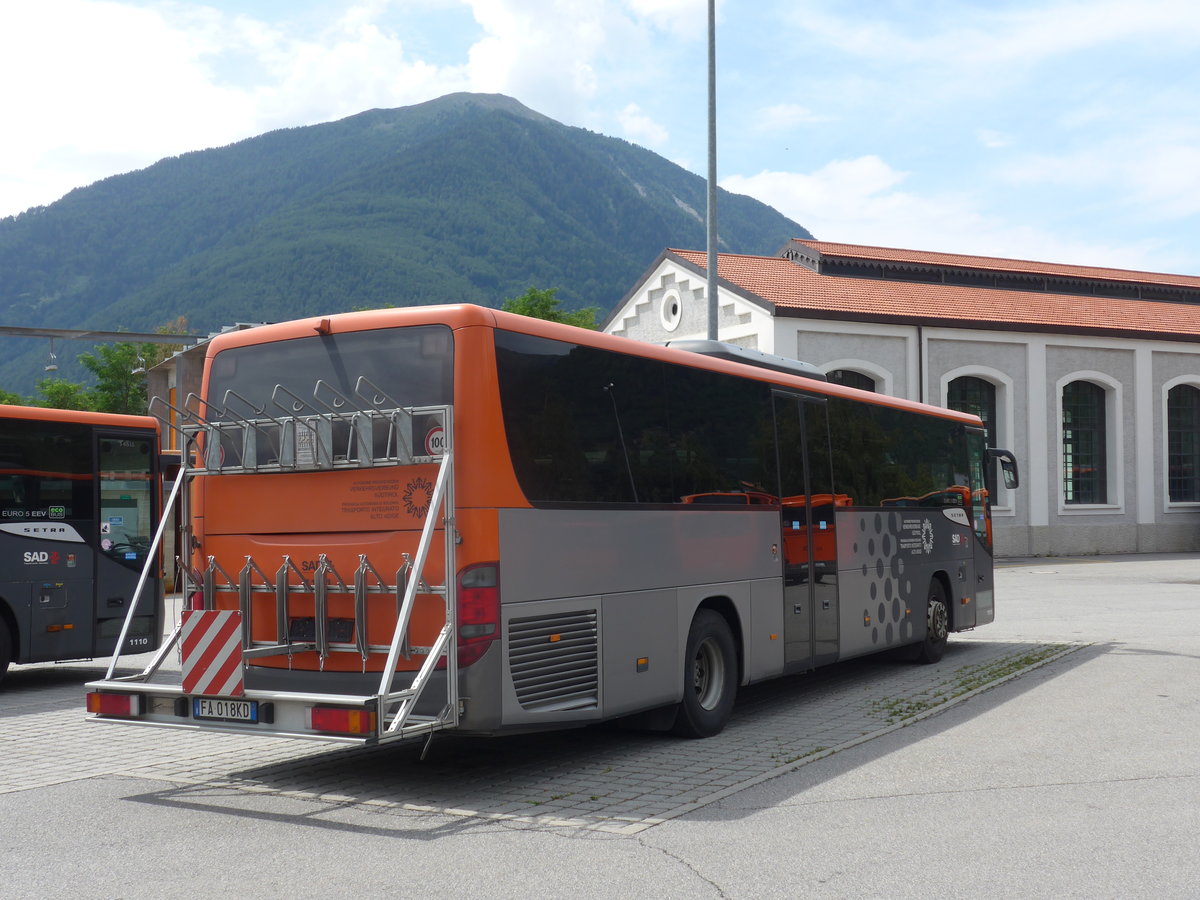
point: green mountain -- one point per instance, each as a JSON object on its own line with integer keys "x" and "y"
{"x": 468, "y": 198}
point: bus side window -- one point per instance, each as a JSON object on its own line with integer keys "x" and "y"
{"x": 13, "y": 492}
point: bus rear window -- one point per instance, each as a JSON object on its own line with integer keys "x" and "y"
{"x": 407, "y": 366}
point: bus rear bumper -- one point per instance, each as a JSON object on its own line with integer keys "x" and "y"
{"x": 330, "y": 717}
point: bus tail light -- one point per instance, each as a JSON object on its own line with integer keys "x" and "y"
{"x": 342, "y": 720}
{"x": 478, "y": 610}
{"x": 125, "y": 705}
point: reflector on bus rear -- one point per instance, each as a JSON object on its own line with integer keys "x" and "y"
{"x": 107, "y": 704}
{"x": 342, "y": 720}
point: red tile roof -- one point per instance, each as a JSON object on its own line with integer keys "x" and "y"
{"x": 958, "y": 260}
{"x": 790, "y": 286}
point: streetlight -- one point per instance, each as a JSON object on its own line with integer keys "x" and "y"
{"x": 712, "y": 170}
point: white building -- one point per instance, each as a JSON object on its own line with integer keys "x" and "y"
{"x": 1090, "y": 375}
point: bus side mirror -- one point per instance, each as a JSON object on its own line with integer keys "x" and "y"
{"x": 1008, "y": 466}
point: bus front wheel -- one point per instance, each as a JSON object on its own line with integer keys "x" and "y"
{"x": 937, "y": 624}
{"x": 6, "y": 647}
{"x": 709, "y": 677}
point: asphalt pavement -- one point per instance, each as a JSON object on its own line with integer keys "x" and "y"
{"x": 1052, "y": 754}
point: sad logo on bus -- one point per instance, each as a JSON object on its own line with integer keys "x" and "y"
{"x": 41, "y": 557}
{"x": 418, "y": 494}
{"x": 927, "y": 536}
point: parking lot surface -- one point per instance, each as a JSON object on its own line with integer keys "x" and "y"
{"x": 1050, "y": 754}
{"x": 605, "y": 778}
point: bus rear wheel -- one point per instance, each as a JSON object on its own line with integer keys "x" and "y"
{"x": 937, "y": 625}
{"x": 709, "y": 677}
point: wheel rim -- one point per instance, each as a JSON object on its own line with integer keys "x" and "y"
{"x": 939, "y": 619}
{"x": 708, "y": 674}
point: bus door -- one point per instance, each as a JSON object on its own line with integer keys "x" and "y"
{"x": 983, "y": 490}
{"x": 127, "y": 504}
{"x": 807, "y": 533}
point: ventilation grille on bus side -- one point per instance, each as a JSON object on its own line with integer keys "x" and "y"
{"x": 555, "y": 661}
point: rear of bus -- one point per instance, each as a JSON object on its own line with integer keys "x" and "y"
{"x": 354, "y": 515}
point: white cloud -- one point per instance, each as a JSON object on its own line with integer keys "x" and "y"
{"x": 1095, "y": 113}
{"x": 987, "y": 34}
{"x": 1152, "y": 177}
{"x": 96, "y": 87}
{"x": 826, "y": 196}
{"x": 687, "y": 19}
{"x": 1102, "y": 126}
{"x": 114, "y": 86}
{"x": 641, "y": 128}
{"x": 355, "y": 64}
{"x": 786, "y": 116}
{"x": 1166, "y": 181}
{"x": 861, "y": 201}
{"x": 994, "y": 140}
{"x": 547, "y": 53}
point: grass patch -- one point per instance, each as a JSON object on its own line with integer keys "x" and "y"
{"x": 897, "y": 709}
{"x": 968, "y": 678}
{"x": 784, "y": 758}
{"x": 962, "y": 681}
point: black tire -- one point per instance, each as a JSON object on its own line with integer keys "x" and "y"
{"x": 710, "y": 677}
{"x": 937, "y": 625}
{"x": 6, "y": 647}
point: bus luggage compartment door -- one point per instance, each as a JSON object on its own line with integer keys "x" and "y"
{"x": 60, "y": 620}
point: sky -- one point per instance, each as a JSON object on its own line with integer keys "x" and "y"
{"x": 1064, "y": 130}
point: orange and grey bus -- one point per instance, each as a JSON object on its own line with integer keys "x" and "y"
{"x": 452, "y": 517}
{"x": 79, "y": 500}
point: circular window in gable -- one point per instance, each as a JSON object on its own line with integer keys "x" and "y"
{"x": 670, "y": 310}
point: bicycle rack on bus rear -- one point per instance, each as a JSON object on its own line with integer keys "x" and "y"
{"x": 369, "y": 433}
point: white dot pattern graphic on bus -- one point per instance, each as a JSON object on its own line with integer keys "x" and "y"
{"x": 883, "y": 571}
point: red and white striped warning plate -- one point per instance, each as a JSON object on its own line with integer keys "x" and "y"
{"x": 212, "y": 652}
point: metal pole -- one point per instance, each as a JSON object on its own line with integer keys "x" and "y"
{"x": 151, "y": 559}
{"x": 712, "y": 170}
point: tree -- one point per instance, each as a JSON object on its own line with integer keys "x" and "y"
{"x": 58, "y": 393}
{"x": 542, "y": 304}
{"x": 10, "y": 398}
{"x": 153, "y": 354}
{"x": 120, "y": 377}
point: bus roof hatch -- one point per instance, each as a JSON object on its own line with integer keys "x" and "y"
{"x": 734, "y": 353}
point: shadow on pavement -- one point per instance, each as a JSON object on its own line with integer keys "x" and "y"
{"x": 605, "y": 778}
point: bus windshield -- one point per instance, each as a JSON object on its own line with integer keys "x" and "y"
{"x": 126, "y": 490}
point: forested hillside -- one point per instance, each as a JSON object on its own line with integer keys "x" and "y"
{"x": 467, "y": 198}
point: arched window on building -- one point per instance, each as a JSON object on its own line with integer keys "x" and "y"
{"x": 1183, "y": 444}
{"x": 850, "y": 378}
{"x": 974, "y": 395}
{"x": 1085, "y": 439}
{"x": 971, "y": 394}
